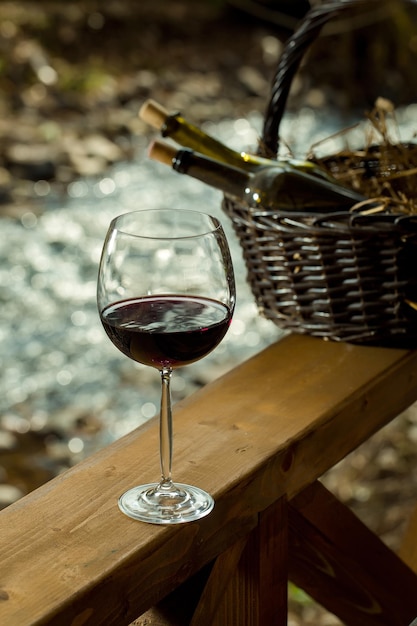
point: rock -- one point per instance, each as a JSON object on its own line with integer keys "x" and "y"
{"x": 9, "y": 494}
{"x": 31, "y": 161}
{"x": 7, "y": 440}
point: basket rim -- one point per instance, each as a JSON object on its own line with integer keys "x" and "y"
{"x": 343, "y": 222}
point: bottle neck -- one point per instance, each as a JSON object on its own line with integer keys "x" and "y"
{"x": 189, "y": 136}
{"x": 228, "y": 179}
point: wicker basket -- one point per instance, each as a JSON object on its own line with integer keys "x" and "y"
{"x": 342, "y": 277}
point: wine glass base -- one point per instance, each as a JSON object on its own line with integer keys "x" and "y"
{"x": 173, "y": 504}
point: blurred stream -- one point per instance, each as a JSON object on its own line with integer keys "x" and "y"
{"x": 62, "y": 383}
{"x": 61, "y": 377}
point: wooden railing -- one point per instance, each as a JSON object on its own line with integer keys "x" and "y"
{"x": 257, "y": 439}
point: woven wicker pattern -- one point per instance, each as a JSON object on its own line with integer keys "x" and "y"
{"x": 343, "y": 277}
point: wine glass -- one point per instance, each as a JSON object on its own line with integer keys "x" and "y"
{"x": 166, "y": 296}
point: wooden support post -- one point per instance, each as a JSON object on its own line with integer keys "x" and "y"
{"x": 221, "y": 575}
{"x": 178, "y": 607}
{"x": 408, "y": 548}
{"x": 245, "y": 585}
{"x": 345, "y": 567}
{"x": 257, "y": 593}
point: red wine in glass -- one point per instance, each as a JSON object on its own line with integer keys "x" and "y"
{"x": 166, "y": 331}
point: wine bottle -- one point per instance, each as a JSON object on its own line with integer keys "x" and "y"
{"x": 175, "y": 127}
{"x": 280, "y": 188}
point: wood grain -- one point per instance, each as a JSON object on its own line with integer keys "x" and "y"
{"x": 344, "y": 566}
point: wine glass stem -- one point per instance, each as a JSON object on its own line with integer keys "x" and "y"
{"x": 165, "y": 428}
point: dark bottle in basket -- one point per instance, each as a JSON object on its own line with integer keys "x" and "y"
{"x": 280, "y": 188}
{"x": 186, "y": 134}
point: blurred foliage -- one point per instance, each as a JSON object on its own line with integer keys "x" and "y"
{"x": 78, "y": 45}
{"x": 367, "y": 53}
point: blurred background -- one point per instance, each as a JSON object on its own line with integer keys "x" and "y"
{"x": 73, "y": 76}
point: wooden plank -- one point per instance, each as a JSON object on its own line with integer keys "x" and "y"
{"x": 344, "y": 566}
{"x": 408, "y": 547}
{"x": 272, "y": 557}
{"x": 196, "y": 601}
{"x": 244, "y": 586}
{"x": 266, "y": 429}
{"x": 219, "y": 581}
{"x": 257, "y": 593}
{"x": 178, "y": 608}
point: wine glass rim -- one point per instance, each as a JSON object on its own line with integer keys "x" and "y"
{"x": 116, "y": 224}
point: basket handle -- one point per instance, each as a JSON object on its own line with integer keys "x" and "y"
{"x": 295, "y": 48}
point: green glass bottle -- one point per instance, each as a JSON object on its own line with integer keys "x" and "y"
{"x": 176, "y": 127}
{"x": 280, "y": 188}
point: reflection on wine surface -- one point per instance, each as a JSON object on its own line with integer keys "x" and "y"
{"x": 166, "y": 297}
{"x": 166, "y": 331}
